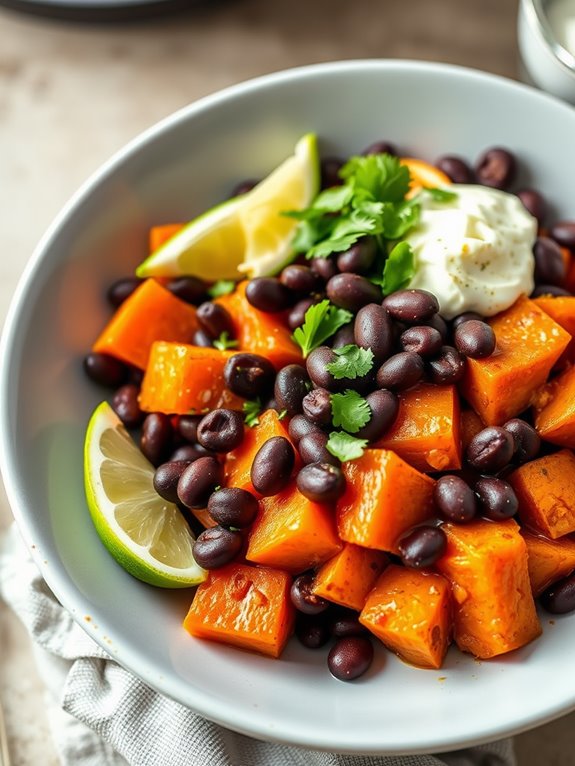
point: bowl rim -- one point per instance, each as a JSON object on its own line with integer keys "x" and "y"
{"x": 242, "y": 721}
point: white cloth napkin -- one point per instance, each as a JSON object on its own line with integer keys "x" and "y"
{"x": 101, "y": 715}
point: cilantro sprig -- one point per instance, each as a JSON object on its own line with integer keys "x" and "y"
{"x": 398, "y": 269}
{"x": 350, "y": 411}
{"x": 224, "y": 342}
{"x": 321, "y": 321}
{"x": 351, "y": 362}
{"x": 252, "y": 410}
{"x": 221, "y": 287}
{"x": 344, "y": 446}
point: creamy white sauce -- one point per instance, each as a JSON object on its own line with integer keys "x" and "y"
{"x": 474, "y": 253}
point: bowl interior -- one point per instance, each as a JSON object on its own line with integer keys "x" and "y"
{"x": 171, "y": 173}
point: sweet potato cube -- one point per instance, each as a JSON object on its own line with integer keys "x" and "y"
{"x": 181, "y": 379}
{"x": 529, "y": 343}
{"x": 292, "y": 533}
{"x": 238, "y": 462}
{"x": 562, "y": 310}
{"x": 149, "y": 314}
{"x": 555, "y": 410}
{"x": 410, "y": 612}
{"x": 159, "y": 235}
{"x": 244, "y": 606}
{"x": 260, "y": 333}
{"x": 549, "y": 560}
{"x": 384, "y": 497}
{"x": 426, "y": 433}
{"x": 347, "y": 578}
{"x": 471, "y": 425}
{"x": 486, "y": 563}
{"x": 545, "y": 489}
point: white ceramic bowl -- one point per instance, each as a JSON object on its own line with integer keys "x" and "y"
{"x": 172, "y": 172}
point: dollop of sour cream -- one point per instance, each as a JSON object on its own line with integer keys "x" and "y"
{"x": 474, "y": 252}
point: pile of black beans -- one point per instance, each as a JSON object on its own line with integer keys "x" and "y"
{"x": 411, "y": 343}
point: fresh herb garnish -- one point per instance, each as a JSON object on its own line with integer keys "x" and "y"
{"x": 221, "y": 287}
{"x": 398, "y": 269}
{"x": 350, "y": 411}
{"x": 344, "y": 446}
{"x": 282, "y": 415}
{"x": 352, "y": 362}
{"x": 321, "y": 321}
{"x": 224, "y": 342}
{"x": 251, "y": 412}
{"x": 440, "y": 195}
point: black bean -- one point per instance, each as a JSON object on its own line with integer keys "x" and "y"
{"x": 380, "y": 147}
{"x": 122, "y": 289}
{"x": 526, "y": 440}
{"x": 292, "y": 384}
{"x": 221, "y": 430}
{"x": 214, "y": 320}
{"x": 422, "y": 547}
{"x": 359, "y": 258}
{"x": 350, "y": 658}
{"x": 198, "y": 481}
{"x": 321, "y": 482}
{"x": 105, "y": 369}
{"x": 325, "y": 268}
{"x": 201, "y": 338}
{"x": 156, "y": 438}
{"x": 187, "y": 427}
{"x": 303, "y": 597}
{"x": 547, "y": 290}
{"x": 189, "y": 289}
{"x": 401, "y": 371}
{"x": 411, "y": 306}
{"x": 560, "y": 597}
{"x": 233, "y": 507}
{"x": 329, "y": 168}
{"x": 425, "y": 341}
{"x": 296, "y": 316}
{"x": 300, "y": 426}
{"x": 300, "y": 279}
{"x": 448, "y": 367}
{"x": 316, "y": 365}
{"x": 563, "y": 232}
{"x": 166, "y": 479}
{"x": 243, "y": 187}
{"x": 534, "y": 203}
{"x": 125, "y": 405}
{"x": 316, "y": 406}
{"x": 344, "y": 336}
{"x": 384, "y": 406}
{"x": 549, "y": 264}
{"x": 216, "y": 547}
{"x": 312, "y": 449}
{"x": 190, "y": 452}
{"x": 467, "y": 316}
{"x": 456, "y": 169}
{"x": 351, "y": 291}
{"x": 312, "y": 632}
{"x": 496, "y": 168}
{"x": 497, "y": 500}
{"x": 474, "y": 339}
{"x": 345, "y": 624}
{"x": 249, "y": 375}
{"x": 455, "y": 499}
{"x": 373, "y": 329}
{"x": 269, "y": 295}
{"x": 272, "y": 466}
{"x": 438, "y": 323}
{"x": 490, "y": 450}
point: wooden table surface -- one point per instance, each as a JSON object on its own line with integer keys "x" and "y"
{"x": 71, "y": 94}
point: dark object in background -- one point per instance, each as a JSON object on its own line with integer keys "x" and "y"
{"x": 103, "y": 10}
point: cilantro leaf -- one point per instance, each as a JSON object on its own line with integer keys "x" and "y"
{"x": 224, "y": 342}
{"x": 221, "y": 287}
{"x": 333, "y": 245}
{"x": 344, "y": 446}
{"x": 251, "y": 412}
{"x": 350, "y": 411}
{"x": 321, "y": 321}
{"x": 441, "y": 195}
{"x": 381, "y": 175}
{"x": 310, "y": 231}
{"x": 398, "y": 219}
{"x": 352, "y": 362}
{"x": 399, "y": 268}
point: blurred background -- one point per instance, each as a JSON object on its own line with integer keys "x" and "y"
{"x": 73, "y": 92}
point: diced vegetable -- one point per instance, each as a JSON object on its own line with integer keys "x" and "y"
{"x": 529, "y": 343}
{"x": 471, "y": 425}
{"x": 562, "y": 310}
{"x": 384, "y": 497}
{"x": 549, "y": 560}
{"x": 348, "y": 577}
{"x": 545, "y": 489}
{"x": 244, "y": 606}
{"x": 555, "y": 410}
{"x": 129, "y": 337}
{"x": 292, "y": 533}
{"x": 161, "y": 234}
{"x": 410, "y": 612}
{"x": 181, "y": 379}
{"x": 426, "y": 432}
{"x": 486, "y": 563}
{"x": 423, "y": 175}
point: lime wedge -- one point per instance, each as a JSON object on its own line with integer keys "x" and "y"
{"x": 147, "y": 535}
{"x": 246, "y": 236}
